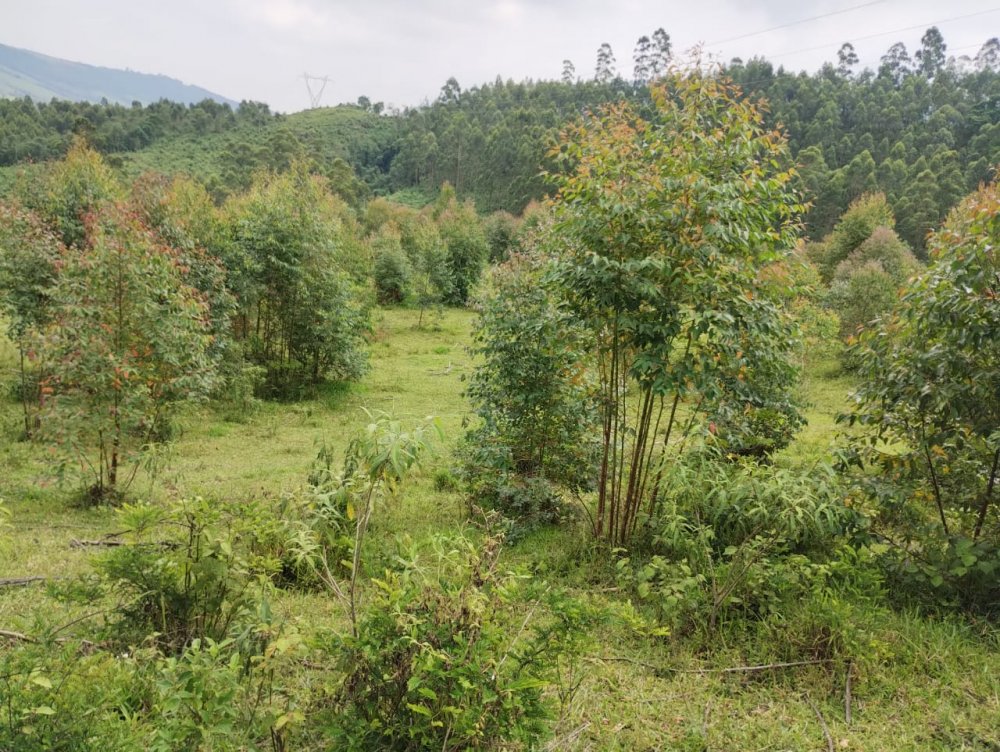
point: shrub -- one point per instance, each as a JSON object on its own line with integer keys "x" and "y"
{"x": 865, "y": 214}
{"x": 532, "y": 393}
{"x": 198, "y": 699}
{"x": 61, "y": 698}
{"x": 928, "y": 407}
{"x": 732, "y": 539}
{"x": 128, "y": 342}
{"x": 439, "y": 663}
{"x": 302, "y": 316}
{"x": 194, "y": 582}
{"x": 391, "y": 270}
{"x": 465, "y": 240}
{"x": 28, "y": 256}
{"x": 502, "y": 235}
{"x": 664, "y": 218}
{"x": 866, "y": 284}
{"x": 862, "y": 296}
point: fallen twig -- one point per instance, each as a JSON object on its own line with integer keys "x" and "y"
{"x": 704, "y": 722}
{"x": 572, "y": 736}
{"x": 16, "y": 636}
{"x": 822, "y": 723}
{"x": 19, "y": 581}
{"x": 76, "y": 543}
{"x": 727, "y": 670}
{"x": 112, "y": 543}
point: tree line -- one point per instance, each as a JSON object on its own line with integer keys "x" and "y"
{"x": 922, "y": 129}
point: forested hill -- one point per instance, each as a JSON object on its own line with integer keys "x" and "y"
{"x": 24, "y": 73}
{"x": 924, "y": 130}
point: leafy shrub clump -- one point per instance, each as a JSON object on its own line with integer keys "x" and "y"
{"x": 535, "y": 400}
{"x": 57, "y": 698}
{"x": 183, "y": 576}
{"x": 731, "y": 540}
{"x": 928, "y": 406}
{"x": 440, "y": 661}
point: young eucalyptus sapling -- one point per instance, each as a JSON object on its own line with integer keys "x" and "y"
{"x": 662, "y": 225}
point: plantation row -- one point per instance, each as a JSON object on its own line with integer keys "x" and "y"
{"x": 632, "y": 490}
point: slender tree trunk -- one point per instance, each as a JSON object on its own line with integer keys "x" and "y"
{"x": 935, "y": 484}
{"x": 24, "y": 391}
{"x": 988, "y": 496}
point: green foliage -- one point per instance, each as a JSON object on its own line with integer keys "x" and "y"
{"x": 182, "y": 214}
{"x": 29, "y": 252}
{"x": 865, "y": 214}
{"x": 867, "y": 282}
{"x": 752, "y": 410}
{"x": 56, "y": 698}
{"x": 466, "y": 243}
{"x": 129, "y": 341}
{"x": 929, "y": 409}
{"x": 437, "y": 662}
{"x": 885, "y": 248}
{"x": 391, "y": 270}
{"x": 185, "y": 576}
{"x": 662, "y": 226}
{"x": 28, "y": 255}
{"x": 536, "y": 402}
{"x": 501, "y": 235}
{"x": 70, "y": 190}
{"x": 301, "y": 317}
{"x": 198, "y": 699}
{"x": 736, "y": 541}
{"x": 861, "y": 296}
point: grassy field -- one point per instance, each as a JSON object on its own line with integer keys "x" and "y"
{"x": 928, "y": 684}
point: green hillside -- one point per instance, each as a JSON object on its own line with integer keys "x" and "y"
{"x": 226, "y": 161}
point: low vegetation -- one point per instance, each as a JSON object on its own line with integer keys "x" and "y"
{"x": 298, "y": 471}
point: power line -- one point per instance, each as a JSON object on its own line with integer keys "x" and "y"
{"x": 796, "y": 23}
{"x": 886, "y": 33}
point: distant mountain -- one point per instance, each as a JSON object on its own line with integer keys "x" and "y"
{"x": 26, "y": 73}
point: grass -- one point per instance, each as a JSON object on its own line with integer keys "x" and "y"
{"x": 927, "y": 684}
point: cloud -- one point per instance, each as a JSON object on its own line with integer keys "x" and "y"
{"x": 284, "y": 15}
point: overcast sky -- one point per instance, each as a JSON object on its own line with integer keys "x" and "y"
{"x": 402, "y": 51}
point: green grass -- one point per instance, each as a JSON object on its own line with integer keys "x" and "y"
{"x": 929, "y": 684}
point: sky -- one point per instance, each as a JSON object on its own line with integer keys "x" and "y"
{"x": 401, "y": 52}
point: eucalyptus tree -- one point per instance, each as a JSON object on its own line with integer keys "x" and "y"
{"x": 662, "y": 225}
{"x": 129, "y": 339}
{"x": 929, "y": 407}
{"x": 29, "y": 253}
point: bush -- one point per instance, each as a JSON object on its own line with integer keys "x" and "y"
{"x": 59, "y": 698}
{"x": 239, "y": 385}
{"x": 501, "y": 235}
{"x": 866, "y": 284}
{"x": 862, "y": 296}
{"x": 198, "y": 699}
{"x": 928, "y": 405}
{"x": 194, "y": 582}
{"x": 129, "y": 342}
{"x": 391, "y": 270}
{"x": 534, "y": 398}
{"x": 439, "y": 663}
{"x": 735, "y": 540}
{"x": 865, "y": 214}
{"x": 465, "y": 240}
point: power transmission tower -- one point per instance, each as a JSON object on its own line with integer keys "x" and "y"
{"x": 315, "y": 96}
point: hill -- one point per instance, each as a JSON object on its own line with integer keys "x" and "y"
{"x": 41, "y": 77}
{"x": 333, "y": 137}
